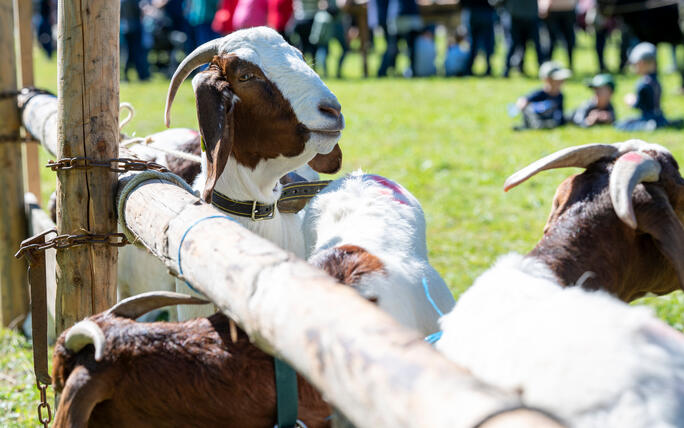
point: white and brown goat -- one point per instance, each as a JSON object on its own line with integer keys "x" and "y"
{"x": 622, "y": 217}
{"x": 373, "y": 228}
{"x": 112, "y": 371}
{"x": 262, "y": 112}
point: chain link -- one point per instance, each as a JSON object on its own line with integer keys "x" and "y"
{"x": 115, "y": 165}
{"x": 43, "y": 405}
{"x": 70, "y": 240}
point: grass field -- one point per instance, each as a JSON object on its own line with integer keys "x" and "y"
{"x": 449, "y": 141}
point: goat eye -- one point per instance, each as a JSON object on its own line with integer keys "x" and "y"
{"x": 245, "y": 77}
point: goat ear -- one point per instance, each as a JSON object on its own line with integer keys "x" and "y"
{"x": 328, "y": 164}
{"x": 662, "y": 223}
{"x": 215, "y": 116}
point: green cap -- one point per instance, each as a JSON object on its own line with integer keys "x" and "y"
{"x": 602, "y": 80}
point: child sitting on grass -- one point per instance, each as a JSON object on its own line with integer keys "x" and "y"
{"x": 598, "y": 110}
{"x": 457, "y": 55}
{"x": 543, "y": 109}
{"x": 648, "y": 91}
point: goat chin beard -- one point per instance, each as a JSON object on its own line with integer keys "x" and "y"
{"x": 324, "y": 142}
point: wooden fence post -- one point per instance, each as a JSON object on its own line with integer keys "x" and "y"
{"x": 23, "y": 14}
{"x": 13, "y": 298}
{"x": 88, "y": 89}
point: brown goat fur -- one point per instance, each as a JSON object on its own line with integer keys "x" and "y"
{"x": 187, "y": 169}
{"x": 173, "y": 374}
{"x": 185, "y": 374}
{"x": 584, "y": 233}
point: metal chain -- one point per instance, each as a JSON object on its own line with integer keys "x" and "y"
{"x": 70, "y": 240}
{"x": 115, "y": 165}
{"x": 43, "y": 405}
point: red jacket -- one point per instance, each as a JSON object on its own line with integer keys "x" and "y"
{"x": 279, "y": 13}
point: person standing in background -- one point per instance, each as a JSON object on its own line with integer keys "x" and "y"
{"x": 250, "y": 13}
{"x": 520, "y": 19}
{"x": 559, "y": 17}
{"x": 279, "y": 14}
{"x": 200, "y": 14}
{"x": 403, "y": 22}
{"x": 479, "y": 18}
{"x": 132, "y": 35}
{"x": 304, "y": 12}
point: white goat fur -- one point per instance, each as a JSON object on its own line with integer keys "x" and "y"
{"x": 585, "y": 356}
{"x": 356, "y": 210}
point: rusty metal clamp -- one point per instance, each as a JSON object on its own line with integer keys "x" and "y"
{"x": 114, "y": 165}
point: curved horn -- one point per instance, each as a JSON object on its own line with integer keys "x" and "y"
{"x": 629, "y": 170}
{"x": 577, "y": 156}
{"x": 138, "y": 305}
{"x": 85, "y": 333}
{"x": 199, "y": 56}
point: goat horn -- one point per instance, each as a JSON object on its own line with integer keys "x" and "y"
{"x": 199, "y": 56}
{"x": 577, "y": 156}
{"x": 138, "y": 305}
{"x": 630, "y": 169}
{"x": 85, "y": 333}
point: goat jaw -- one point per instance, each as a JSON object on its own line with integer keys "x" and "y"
{"x": 202, "y": 55}
{"x": 138, "y": 305}
{"x": 86, "y": 333}
{"x": 577, "y": 156}
{"x": 630, "y": 169}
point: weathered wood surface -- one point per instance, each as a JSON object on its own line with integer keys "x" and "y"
{"x": 40, "y": 221}
{"x": 39, "y": 118}
{"x": 23, "y": 15}
{"x": 375, "y": 371}
{"x": 88, "y": 107}
{"x": 13, "y": 293}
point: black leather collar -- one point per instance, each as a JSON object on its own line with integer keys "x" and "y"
{"x": 293, "y": 198}
{"x": 250, "y": 209}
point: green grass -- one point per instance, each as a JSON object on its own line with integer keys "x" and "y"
{"x": 449, "y": 141}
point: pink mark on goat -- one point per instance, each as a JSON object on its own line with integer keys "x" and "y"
{"x": 397, "y": 190}
{"x": 635, "y": 157}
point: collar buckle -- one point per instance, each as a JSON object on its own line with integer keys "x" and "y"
{"x": 254, "y": 213}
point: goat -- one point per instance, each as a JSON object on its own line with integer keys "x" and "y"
{"x": 374, "y": 229}
{"x": 622, "y": 217}
{"x": 168, "y": 374}
{"x": 582, "y": 355}
{"x": 262, "y": 112}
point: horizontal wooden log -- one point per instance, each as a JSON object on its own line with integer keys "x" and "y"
{"x": 378, "y": 373}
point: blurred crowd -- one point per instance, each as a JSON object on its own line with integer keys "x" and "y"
{"x": 155, "y": 34}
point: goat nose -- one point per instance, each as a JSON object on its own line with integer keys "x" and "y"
{"x": 331, "y": 109}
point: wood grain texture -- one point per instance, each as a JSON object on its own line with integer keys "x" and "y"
{"x": 375, "y": 371}
{"x": 23, "y": 31}
{"x": 88, "y": 103}
{"x": 13, "y": 290}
